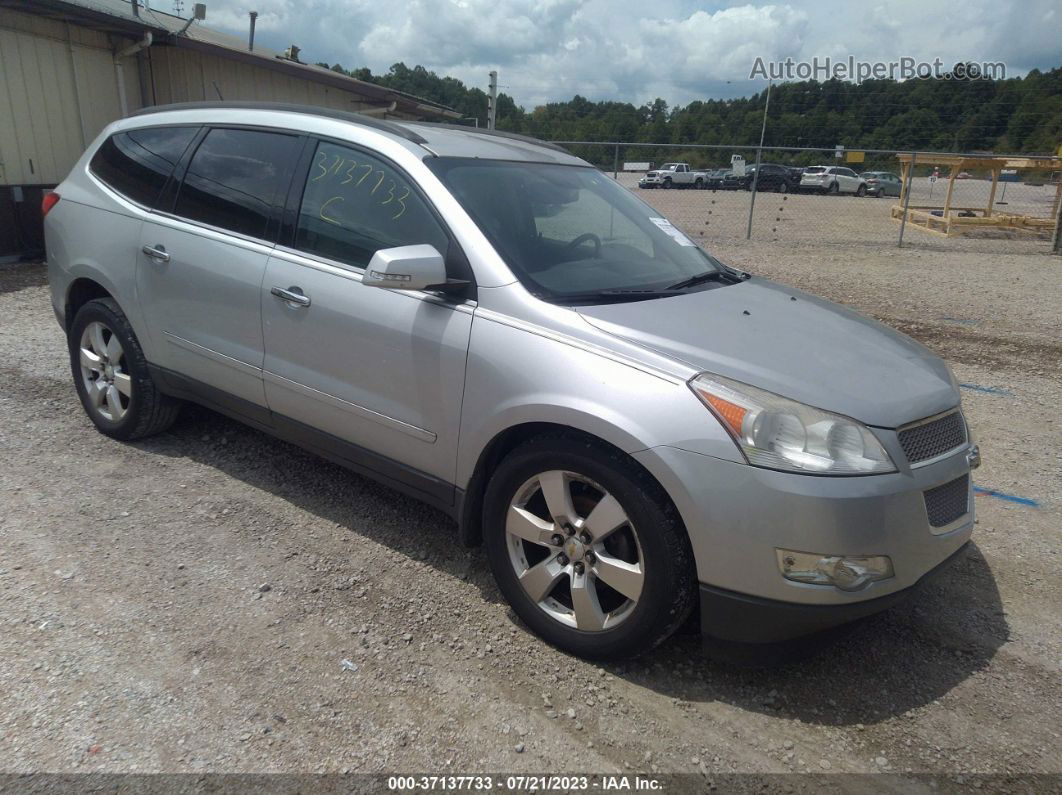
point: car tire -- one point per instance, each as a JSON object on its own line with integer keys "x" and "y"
{"x": 834, "y": 189}
{"x": 558, "y": 591}
{"x": 699, "y": 184}
{"x": 111, "y": 374}
{"x": 667, "y": 184}
{"x": 783, "y": 187}
{"x": 861, "y": 191}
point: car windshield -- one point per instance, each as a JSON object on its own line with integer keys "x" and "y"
{"x": 571, "y": 233}
{"x": 815, "y": 170}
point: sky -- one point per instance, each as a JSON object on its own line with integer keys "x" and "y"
{"x": 637, "y": 50}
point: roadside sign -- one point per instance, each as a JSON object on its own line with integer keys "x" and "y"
{"x": 840, "y": 151}
{"x": 855, "y": 157}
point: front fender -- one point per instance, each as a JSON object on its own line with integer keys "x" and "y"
{"x": 515, "y": 376}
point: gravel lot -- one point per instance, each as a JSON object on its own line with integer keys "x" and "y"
{"x": 185, "y": 603}
{"x": 847, "y": 220}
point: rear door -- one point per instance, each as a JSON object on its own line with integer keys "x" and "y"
{"x": 374, "y": 376}
{"x": 203, "y": 258}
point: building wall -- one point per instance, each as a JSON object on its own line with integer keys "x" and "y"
{"x": 58, "y": 89}
{"x": 182, "y": 75}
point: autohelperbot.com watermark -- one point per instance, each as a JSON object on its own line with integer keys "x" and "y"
{"x": 904, "y": 68}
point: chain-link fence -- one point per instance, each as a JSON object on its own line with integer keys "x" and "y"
{"x": 973, "y": 202}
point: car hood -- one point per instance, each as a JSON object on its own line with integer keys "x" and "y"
{"x": 793, "y": 344}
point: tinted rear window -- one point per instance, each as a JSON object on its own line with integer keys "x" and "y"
{"x": 137, "y": 163}
{"x": 235, "y": 179}
{"x": 815, "y": 170}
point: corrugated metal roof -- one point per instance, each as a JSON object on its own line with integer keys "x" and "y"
{"x": 199, "y": 36}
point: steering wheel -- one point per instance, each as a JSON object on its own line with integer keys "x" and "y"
{"x": 582, "y": 239}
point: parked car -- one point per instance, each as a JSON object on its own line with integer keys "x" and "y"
{"x": 832, "y": 179}
{"x": 715, "y": 179}
{"x": 882, "y": 183}
{"x": 673, "y": 175}
{"x": 490, "y": 325}
{"x": 772, "y": 177}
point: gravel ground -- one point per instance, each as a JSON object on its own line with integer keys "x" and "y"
{"x": 847, "y": 221}
{"x": 187, "y": 603}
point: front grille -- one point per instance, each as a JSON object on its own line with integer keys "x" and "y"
{"x": 929, "y": 439}
{"x": 945, "y": 504}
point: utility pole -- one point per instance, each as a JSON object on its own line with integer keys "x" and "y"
{"x": 759, "y": 157}
{"x": 492, "y": 100}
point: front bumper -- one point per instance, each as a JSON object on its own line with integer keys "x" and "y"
{"x": 737, "y": 516}
{"x": 749, "y": 619}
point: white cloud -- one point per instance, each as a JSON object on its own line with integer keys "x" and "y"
{"x": 631, "y": 50}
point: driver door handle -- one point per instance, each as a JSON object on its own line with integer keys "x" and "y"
{"x": 156, "y": 253}
{"x": 292, "y": 294}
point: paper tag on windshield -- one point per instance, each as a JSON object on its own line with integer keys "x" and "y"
{"x": 669, "y": 229}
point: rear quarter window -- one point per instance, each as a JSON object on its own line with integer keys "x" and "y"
{"x": 137, "y": 163}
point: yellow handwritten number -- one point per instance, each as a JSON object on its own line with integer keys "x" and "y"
{"x": 353, "y": 165}
{"x": 390, "y": 193}
{"x": 401, "y": 201}
{"x": 363, "y": 176}
{"x": 378, "y": 182}
{"x": 322, "y": 157}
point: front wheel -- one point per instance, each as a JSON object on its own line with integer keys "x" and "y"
{"x": 111, "y": 375}
{"x": 587, "y": 549}
{"x": 667, "y": 184}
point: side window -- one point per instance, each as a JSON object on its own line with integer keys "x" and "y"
{"x": 355, "y": 204}
{"x": 138, "y": 163}
{"x": 235, "y": 178}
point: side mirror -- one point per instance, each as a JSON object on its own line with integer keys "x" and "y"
{"x": 406, "y": 268}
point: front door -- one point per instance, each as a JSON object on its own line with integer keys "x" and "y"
{"x": 201, "y": 267}
{"x": 380, "y": 373}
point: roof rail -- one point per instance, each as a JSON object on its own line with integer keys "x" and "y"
{"x": 527, "y": 139}
{"x": 309, "y": 110}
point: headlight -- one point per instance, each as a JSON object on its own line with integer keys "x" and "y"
{"x": 778, "y": 433}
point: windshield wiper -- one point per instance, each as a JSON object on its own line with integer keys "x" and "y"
{"x": 722, "y": 273}
{"x": 614, "y": 295}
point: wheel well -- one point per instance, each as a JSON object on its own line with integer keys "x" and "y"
{"x": 470, "y": 515}
{"x": 80, "y": 293}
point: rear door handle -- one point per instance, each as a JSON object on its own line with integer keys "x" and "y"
{"x": 156, "y": 253}
{"x": 293, "y": 294}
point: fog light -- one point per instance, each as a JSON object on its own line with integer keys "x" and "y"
{"x": 847, "y": 572}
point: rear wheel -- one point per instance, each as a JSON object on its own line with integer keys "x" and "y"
{"x": 834, "y": 189}
{"x": 111, "y": 375}
{"x": 587, "y": 550}
{"x": 783, "y": 187}
{"x": 699, "y": 184}
{"x": 861, "y": 191}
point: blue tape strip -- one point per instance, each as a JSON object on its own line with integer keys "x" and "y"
{"x": 991, "y": 390}
{"x": 1008, "y": 497}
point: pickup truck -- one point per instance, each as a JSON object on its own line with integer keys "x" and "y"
{"x": 674, "y": 175}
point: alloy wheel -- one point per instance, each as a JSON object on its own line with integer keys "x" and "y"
{"x": 575, "y": 551}
{"x": 103, "y": 370}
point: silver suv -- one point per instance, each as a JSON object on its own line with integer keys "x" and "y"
{"x": 637, "y": 432}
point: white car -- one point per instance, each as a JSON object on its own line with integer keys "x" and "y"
{"x": 832, "y": 179}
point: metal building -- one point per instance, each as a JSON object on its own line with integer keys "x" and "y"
{"x": 70, "y": 67}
